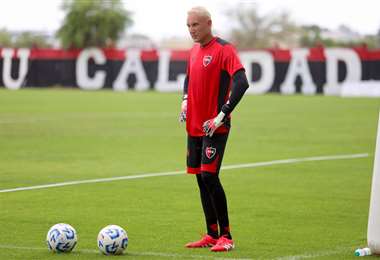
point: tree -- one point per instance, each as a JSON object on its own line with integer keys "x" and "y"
{"x": 30, "y": 40}
{"x": 283, "y": 30}
{"x": 371, "y": 41}
{"x": 310, "y": 36}
{"x": 5, "y": 38}
{"x": 23, "y": 39}
{"x": 262, "y": 31}
{"x": 250, "y": 29}
{"x": 313, "y": 35}
{"x": 93, "y": 23}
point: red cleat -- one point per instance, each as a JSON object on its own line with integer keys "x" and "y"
{"x": 206, "y": 241}
{"x": 223, "y": 244}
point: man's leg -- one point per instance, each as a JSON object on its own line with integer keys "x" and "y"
{"x": 208, "y": 208}
{"x": 219, "y": 201}
{"x": 194, "y": 155}
{"x": 212, "y": 156}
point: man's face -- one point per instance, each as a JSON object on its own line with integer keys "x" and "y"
{"x": 199, "y": 27}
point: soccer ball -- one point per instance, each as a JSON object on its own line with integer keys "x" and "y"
{"x": 112, "y": 240}
{"x": 61, "y": 238}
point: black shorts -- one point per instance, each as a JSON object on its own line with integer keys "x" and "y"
{"x": 205, "y": 154}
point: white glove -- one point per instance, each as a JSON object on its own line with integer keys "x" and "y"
{"x": 182, "y": 115}
{"x": 210, "y": 126}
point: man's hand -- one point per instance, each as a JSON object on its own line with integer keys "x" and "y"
{"x": 211, "y": 125}
{"x": 182, "y": 115}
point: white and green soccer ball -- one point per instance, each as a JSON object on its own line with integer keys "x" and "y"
{"x": 112, "y": 240}
{"x": 61, "y": 238}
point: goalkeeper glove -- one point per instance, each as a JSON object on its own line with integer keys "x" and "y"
{"x": 210, "y": 126}
{"x": 182, "y": 115}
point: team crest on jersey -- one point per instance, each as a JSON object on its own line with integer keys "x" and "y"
{"x": 207, "y": 60}
{"x": 210, "y": 152}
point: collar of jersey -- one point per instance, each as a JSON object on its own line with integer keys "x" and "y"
{"x": 209, "y": 43}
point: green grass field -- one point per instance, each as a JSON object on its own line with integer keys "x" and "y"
{"x": 304, "y": 210}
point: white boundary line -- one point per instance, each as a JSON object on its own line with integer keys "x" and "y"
{"x": 128, "y": 253}
{"x": 228, "y": 167}
{"x": 184, "y": 256}
{"x": 81, "y": 115}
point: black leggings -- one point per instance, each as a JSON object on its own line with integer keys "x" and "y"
{"x": 214, "y": 204}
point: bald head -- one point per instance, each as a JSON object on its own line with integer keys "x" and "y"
{"x": 199, "y": 24}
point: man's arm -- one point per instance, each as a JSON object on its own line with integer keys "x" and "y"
{"x": 239, "y": 86}
{"x": 185, "y": 86}
{"x": 182, "y": 115}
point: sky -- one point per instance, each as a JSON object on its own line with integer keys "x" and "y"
{"x": 161, "y": 19}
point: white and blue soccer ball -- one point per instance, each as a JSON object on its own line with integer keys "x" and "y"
{"x": 61, "y": 238}
{"x": 112, "y": 240}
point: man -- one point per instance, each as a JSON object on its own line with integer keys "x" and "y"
{"x": 214, "y": 84}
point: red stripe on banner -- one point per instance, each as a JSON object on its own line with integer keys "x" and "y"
{"x": 14, "y": 54}
{"x": 110, "y": 54}
{"x": 114, "y": 54}
{"x": 53, "y": 54}
{"x": 362, "y": 52}
{"x": 374, "y": 55}
{"x": 280, "y": 55}
{"x": 149, "y": 55}
{"x": 317, "y": 54}
{"x": 180, "y": 55}
{"x": 367, "y": 55}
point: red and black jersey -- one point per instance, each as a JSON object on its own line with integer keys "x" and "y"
{"x": 209, "y": 72}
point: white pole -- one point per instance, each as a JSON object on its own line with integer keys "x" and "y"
{"x": 373, "y": 233}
